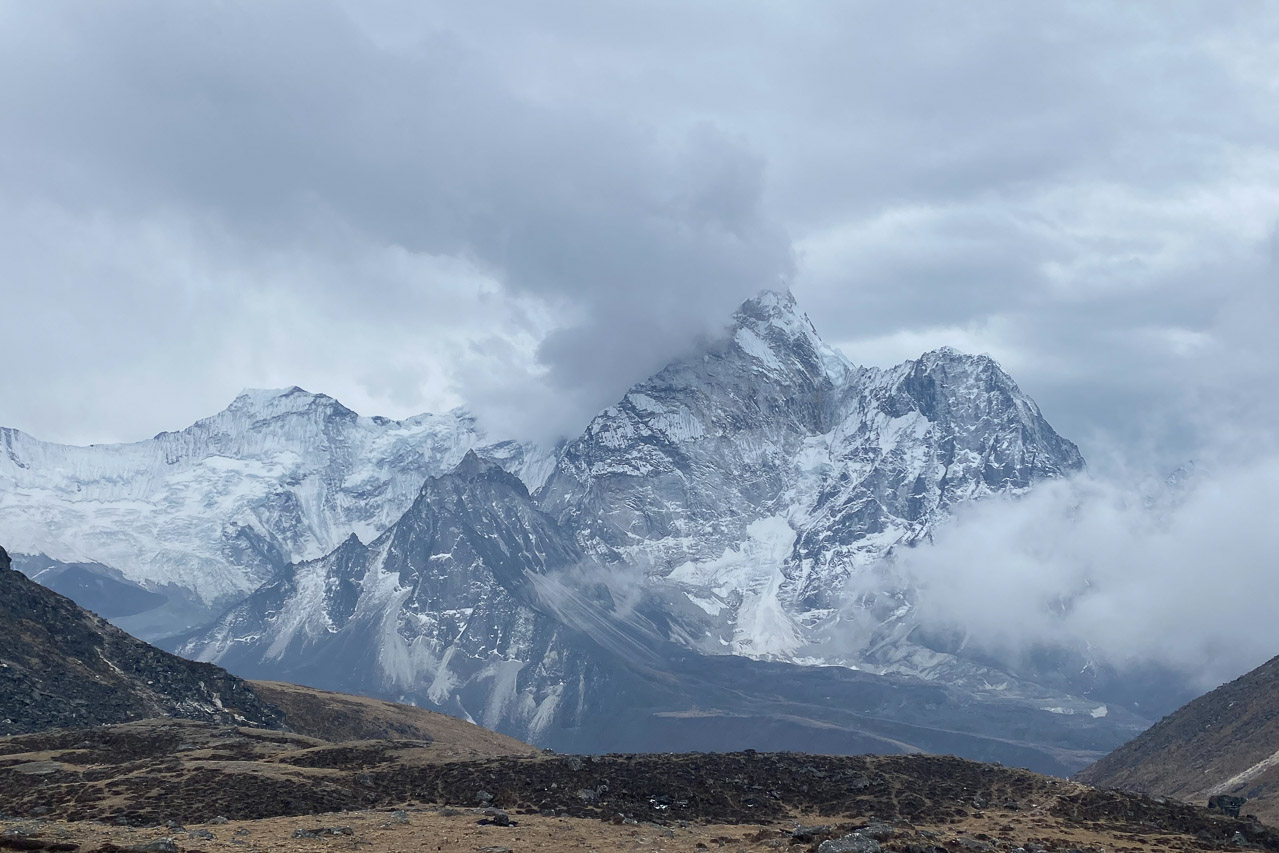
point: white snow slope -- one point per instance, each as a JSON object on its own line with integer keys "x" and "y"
{"x": 215, "y": 509}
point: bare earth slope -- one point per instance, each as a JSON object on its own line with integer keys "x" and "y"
{"x": 341, "y": 717}
{"x": 1224, "y": 742}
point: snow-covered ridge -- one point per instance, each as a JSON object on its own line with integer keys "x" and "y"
{"x": 216, "y": 508}
{"x": 765, "y": 478}
{"x": 744, "y": 502}
{"x": 757, "y": 490}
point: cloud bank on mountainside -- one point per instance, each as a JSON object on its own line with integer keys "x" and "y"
{"x": 1177, "y": 577}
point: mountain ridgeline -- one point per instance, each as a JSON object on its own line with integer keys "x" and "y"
{"x": 690, "y": 572}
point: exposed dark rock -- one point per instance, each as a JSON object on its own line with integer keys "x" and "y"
{"x": 61, "y": 666}
{"x": 1226, "y": 804}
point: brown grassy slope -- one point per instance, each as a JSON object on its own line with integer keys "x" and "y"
{"x": 340, "y": 717}
{"x": 1224, "y": 742}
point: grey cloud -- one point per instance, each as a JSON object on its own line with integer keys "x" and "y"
{"x": 525, "y": 208}
{"x": 1092, "y": 565}
{"x": 285, "y": 126}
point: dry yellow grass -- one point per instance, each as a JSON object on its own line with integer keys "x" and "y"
{"x": 340, "y": 717}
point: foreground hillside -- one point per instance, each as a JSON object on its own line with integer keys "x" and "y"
{"x": 341, "y": 717}
{"x": 1223, "y": 743}
{"x": 63, "y": 666}
{"x": 210, "y": 787}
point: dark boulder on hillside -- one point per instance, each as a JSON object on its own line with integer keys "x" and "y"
{"x": 62, "y": 666}
{"x": 1226, "y": 804}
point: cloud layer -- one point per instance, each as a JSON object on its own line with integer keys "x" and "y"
{"x": 525, "y": 209}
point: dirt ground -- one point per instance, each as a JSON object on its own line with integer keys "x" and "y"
{"x": 418, "y": 828}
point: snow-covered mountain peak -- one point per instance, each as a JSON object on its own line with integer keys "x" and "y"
{"x": 214, "y": 509}
{"x": 476, "y": 466}
{"x": 770, "y": 307}
{"x": 263, "y": 403}
{"x": 956, "y": 364}
{"x": 260, "y": 399}
{"x": 771, "y": 329}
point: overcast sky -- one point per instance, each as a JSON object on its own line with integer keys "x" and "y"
{"x": 525, "y": 207}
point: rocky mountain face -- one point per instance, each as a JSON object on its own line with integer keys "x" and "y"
{"x": 477, "y": 603}
{"x": 61, "y": 667}
{"x": 708, "y": 566}
{"x": 436, "y": 610}
{"x": 1225, "y": 744}
{"x": 761, "y": 476}
{"x": 207, "y": 514}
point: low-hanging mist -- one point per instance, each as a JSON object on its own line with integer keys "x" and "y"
{"x": 1174, "y": 578}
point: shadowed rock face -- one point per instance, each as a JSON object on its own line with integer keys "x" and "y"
{"x": 62, "y": 666}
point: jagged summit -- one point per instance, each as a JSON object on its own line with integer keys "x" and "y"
{"x": 270, "y": 402}
{"x": 770, "y": 307}
{"x": 474, "y": 465}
